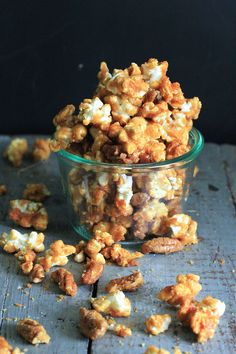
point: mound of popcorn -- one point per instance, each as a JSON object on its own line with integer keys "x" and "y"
{"x": 136, "y": 116}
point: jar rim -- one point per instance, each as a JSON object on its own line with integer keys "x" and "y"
{"x": 197, "y": 146}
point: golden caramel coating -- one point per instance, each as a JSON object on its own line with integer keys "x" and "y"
{"x": 187, "y": 287}
{"x": 162, "y": 245}
{"x": 32, "y": 331}
{"x": 41, "y": 149}
{"x": 130, "y": 282}
{"x": 26, "y": 259}
{"x": 183, "y": 228}
{"x": 28, "y": 214}
{"x": 114, "y": 304}
{"x": 6, "y": 348}
{"x": 65, "y": 280}
{"x": 92, "y": 272}
{"x": 37, "y": 274}
{"x": 121, "y": 256}
{"x": 157, "y": 324}
{"x": 116, "y": 230}
{"x": 92, "y": 248}
{"x": 92, "y": 324}
{"x": 15, "y": 151}
{"x": 57, "y": 255}
{"x": 93, "y": 111}
{"x": 122, "y": 331}
{"x": 15, "y": 241}
{"x": 175, "y": 149}
{"x": 36, "y": 192}
{"x": 154, "y": 350}
{"x": 3, "y": 189}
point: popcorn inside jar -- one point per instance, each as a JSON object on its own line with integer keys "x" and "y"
{"x": 127, "y": 154}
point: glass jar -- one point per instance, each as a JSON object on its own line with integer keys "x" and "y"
{"x": 132, "y": 201}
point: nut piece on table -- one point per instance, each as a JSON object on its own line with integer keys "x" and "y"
{"x": 114, "y": 304}
{"x": 41, "y": 150}
{"x": 183, "y": 228}
{"x": 80, "y": 256}
{"x": 32, "y": 331}
{"x": 3, "y": 189}
{"x": 92, "y": 272}
{"x": 16, "y": 241}
{"x": 162, "y": 245}
{"x": 26, "y": 259}
{"x": 16, "y": 150}
{"x": 121, "y": 256}
{"x": 130, "y": 282}
{"x": 56, "y": 255}
{"x": 37, "y": 274}
{"x": 92, "y": 248}
{"x": 202, "y": 317}
{"x": 36, "y": 192}
{"x": 28, "y": 214}
{"x": 154, "y": 350}
{"x": 157, "y": 324}
{"x": 6, "y": 348}
{"x": 122, "y": 331}
{"x": 92, "y": 324}
{"x": 65, "y": 280}
{"x": 187, "y": 287}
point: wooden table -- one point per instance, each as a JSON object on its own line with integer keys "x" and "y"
{"x": 212, "y": 203}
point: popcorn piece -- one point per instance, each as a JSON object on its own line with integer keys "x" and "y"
{"x": 191, "y": 108}
{"x": 6, "y": 348}
{"x": 183, "y": 228}
{"x": 57, "y": 255}
{"x": 114, "y": 304}
{"x": 202, "y": 317}
{"x": 121, "y": 108}
{"x": 122, "y": 331}
{"x": 130, "y": 282}
{"x": 157, "y": 324}
{"x": 175, "y": 149}
{"x": 37, "y": 274}
{"x": 92, "y": 272}
{"x": 121, "y": 256}
{"x": 153, "y": 72}
{"x": 92, "y": 248}
{"x": 124, "y": 194}
{"x": 172, "y": 93}
{"x": 154, "y": 350}
{"x": 3, "y": 189}
{"x": 93, "y": 111}
{"x": 16, "y": 241}
{"x": 16, "y": 150}
{"x": 26, "y": 258}
{"x": 32, "y": 331}
{"x": 105, "y": 229}
{"x": 187, "y": 287}
{"x": 92, "y": 324}
{"x": 36, "y": 192}
{"x": 162, "y": 245}
{"x": 80, "y": 256}
{"x": 28, "y": 214}
{"x": 65, "y": 280}
{"x": 41, "y": 149}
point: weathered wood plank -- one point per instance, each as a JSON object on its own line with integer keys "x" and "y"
{"x": 214, "y": 211}
{"x": 228, "y": 153}
{"x": 59, "y": 318}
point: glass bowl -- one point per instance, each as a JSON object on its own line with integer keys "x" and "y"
{"x": 132, "y": 201}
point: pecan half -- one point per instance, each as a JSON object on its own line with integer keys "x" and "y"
{"x": 92, "y": 324}
{"x": 92, "y": 272}
{"x": 32, "y": 331}
{"x": 65, "y": 280}
{"x": 130, "y": 282}
{"x": 162, "y": 245}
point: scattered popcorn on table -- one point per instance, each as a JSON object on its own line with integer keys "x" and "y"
{"x": 92, "y": 324}
{"x": 130, "y": 282}
{"x": 6, "y": 348}
{"x": 154, "y": 350}
{"x": 183, "y": 228}
{"x": 157, "y": 324}
{"x": 15, "y": 241}
{"x": 122, "y": 331}
{"x": 36, "y": 192}
{"x": 65, "y": 280}
{"x": 28, "y": 214}
{"x": 37, "y": 274}
{"x": 114, "y": 304}
{"x": 16, "y": 150}
{"x": 121, "y": 256}
{"x": 32, "y": 331}
{"x": 26, "y": 259}
{"x": 57, "y": 255}
{"x": 41, "y": 150}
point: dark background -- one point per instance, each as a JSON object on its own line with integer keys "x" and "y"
{"x": 50, "y": 53}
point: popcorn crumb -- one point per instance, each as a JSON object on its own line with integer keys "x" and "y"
{"x": 115, "y": 304}
{"x": 36, "y": 192}
{"x": 122, "y": 331}
{"x": 157, "y": 324}
{"x": 15, "y": 151}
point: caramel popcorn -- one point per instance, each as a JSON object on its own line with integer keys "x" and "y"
{"x": 162, "y": 245}
{"x": 36, "y": 192}
{"x": 57, "y": 255}
{"x": 15, "y": 151}
{"x": 130, "y": 282}
{"x": 28, "y": 214}
{"x": 122, "y": 331}
{"x": 202, "y": 317}
{"x": 26, "y": 258}
{"x": 92, "y": 272}
{"x": 79, "y": 256}
{"x": 37, "y": 274}
{"x": 121, "y": 256}
{"x": 6, "y": 348}
{"x": 16, "y": 241}
{"x": 187, "y": 287}
{"x": 114, "y": 304}
{"x": 183, "y": 228}
{"x": 41, "y": 150}
{"x": 157, "y": 324}
{"x": 154, "y": 350}
{"x": 92, "y": 324}
{"x": 32, "y": 331}
{"x": 65, "y": 280}
{"x": 3, "y": 189}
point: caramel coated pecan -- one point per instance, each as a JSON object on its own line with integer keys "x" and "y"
{"x": 130, "y": 282}
{"x": 32, "y": 331}
{"x": 92, "y": 324}
{"x": 92, "y": 272}
{"x": 162, "y": 245}
{"x": 65, "y": 280}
